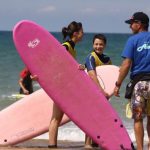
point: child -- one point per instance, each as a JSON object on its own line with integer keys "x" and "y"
{"x": 94, "y": 59}
{"x": 25, "y": 82}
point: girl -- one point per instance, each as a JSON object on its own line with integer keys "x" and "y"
{"x": 72, "y": 34}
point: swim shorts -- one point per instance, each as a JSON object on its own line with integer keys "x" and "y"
{"x": 140, "y": 100}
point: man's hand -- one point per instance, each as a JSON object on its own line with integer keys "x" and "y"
{"x": 116, "y": 91}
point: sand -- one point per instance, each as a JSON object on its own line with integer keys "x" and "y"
{"x": 38, "y": 144}
{"x": 41, "y": 144}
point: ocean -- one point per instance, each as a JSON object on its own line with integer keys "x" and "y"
{"x": 11, "y": 65}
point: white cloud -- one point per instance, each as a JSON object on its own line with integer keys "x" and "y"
{"x": 49, "y": 8}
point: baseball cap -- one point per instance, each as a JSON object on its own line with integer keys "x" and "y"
{"x": 138, "y": 16}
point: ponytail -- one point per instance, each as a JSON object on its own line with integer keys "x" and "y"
{"x": 72, "y": 27}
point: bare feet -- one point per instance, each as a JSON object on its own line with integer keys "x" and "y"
{"x": 88, "y": 146}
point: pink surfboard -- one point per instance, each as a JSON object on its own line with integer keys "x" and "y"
{"x": 26, "y": 118}
{"x": 70, "y": 88}
{"x": 30, "y": 116}
{"x": 107, "y": 76}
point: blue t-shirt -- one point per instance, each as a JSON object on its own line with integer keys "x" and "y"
{"x": 137, "y": 49}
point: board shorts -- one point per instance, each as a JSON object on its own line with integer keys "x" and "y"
{"x": 140, "y": 100}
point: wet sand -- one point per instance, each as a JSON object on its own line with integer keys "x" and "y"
{"x": 38, "y": 144}
{"x": 42, "y": 144}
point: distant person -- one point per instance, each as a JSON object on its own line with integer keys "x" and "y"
{"x": 136, "y": 56}
{"x": 72, "y": 34}
{"x": 94, "y": 59}
{"x": 25, "y": 82}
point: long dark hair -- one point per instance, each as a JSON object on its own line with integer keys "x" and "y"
{"x": 72, "y": 27}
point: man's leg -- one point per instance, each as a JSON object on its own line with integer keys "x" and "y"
{"x": 139, "y": 133}
{"x": 148, "y": 131}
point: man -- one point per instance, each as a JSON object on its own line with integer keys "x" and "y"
{"x": 136, "y": 56}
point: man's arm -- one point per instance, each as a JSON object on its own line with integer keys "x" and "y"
{"x": 124, "y": 69}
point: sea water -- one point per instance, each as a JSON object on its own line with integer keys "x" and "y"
{"x": 11, "y": 65}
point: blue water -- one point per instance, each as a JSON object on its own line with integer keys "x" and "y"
{"x": 11, "y": 65}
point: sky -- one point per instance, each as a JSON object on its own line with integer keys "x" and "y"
{"x": 100, "y": 16}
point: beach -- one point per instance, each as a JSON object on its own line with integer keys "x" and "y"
{"x": 41, "y": 144}
{"x": 69, "y": 135}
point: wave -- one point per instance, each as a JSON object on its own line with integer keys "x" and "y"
{"x": 71, "y": 132}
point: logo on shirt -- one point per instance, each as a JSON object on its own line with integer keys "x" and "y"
{"x": 34, "y": 43}
{"x": 143, "y": 47}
